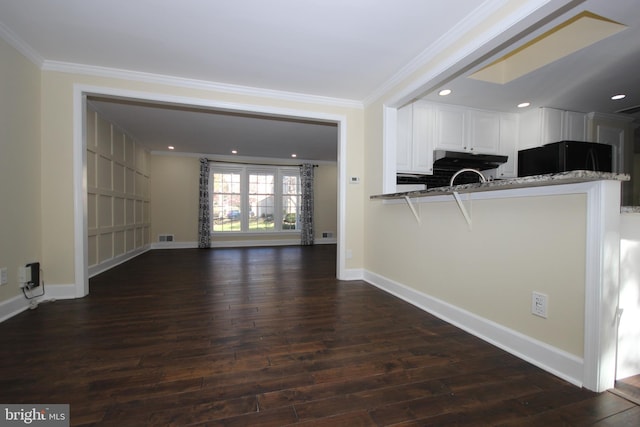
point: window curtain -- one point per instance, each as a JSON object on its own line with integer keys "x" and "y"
{"x": 306, "y": 204}
{"x": 204, "y": 216}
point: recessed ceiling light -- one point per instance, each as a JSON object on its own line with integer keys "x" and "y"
{"x": 294, "y": 155}
{"x": 524, "y": 104}
{"x": 171, "y": 147}
{"x": 444, "y": 92}
{"x": 619, "y": 96}
{"x": 234, "y": 151}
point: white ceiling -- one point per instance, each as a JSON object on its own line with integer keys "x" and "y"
{"x": 344, "y": 50}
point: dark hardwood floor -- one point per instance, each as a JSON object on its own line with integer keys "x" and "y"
{"x": 268, "y": 336}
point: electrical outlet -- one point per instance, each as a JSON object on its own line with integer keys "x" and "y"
{"x": 4, "y": 279}
{"x": 539, "y": 304}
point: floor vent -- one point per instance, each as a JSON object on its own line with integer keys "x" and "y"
{"x": 165, "y": 238}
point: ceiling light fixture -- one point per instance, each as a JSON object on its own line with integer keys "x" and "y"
{"x": 294, "y": 155}
{"x": 524, "y": 104}
{"x": 234, "y": 151}
{"x": 619, "y": 96}
{"x": 444, "y": 92}
{"x": 171, "y": 147}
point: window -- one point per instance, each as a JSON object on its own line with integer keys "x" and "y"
{"x": 261, "y": 201}
{"x": 254, "y": 199}
{"x": 291, "y": 195}
{"x": 226, "y": 200}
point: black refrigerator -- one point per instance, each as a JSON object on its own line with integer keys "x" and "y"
{"x": 565, "y": 156}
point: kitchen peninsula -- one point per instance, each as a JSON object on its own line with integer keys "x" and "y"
{"x": 556, "y": 235}
{"x": 570, "y": 177}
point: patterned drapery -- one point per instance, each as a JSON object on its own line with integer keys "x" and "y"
{"x": 306, "y": 204}
{"x": 204, "y": 216}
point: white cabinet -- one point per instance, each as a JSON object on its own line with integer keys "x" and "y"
{"x": 484, "y": 131}
{"x": 463, "y": 129}
{"x": 545, "y": 125}
{"x": 414, "y": 142}
{"x": 508, "y": 145}
{"x": 574, "y": 126}
{"x": 450, "y": 128}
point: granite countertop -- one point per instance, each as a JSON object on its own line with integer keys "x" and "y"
{"x": 504, "y": 184}
{"x": 630, "y": 209}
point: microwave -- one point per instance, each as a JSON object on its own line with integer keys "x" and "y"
{"x": 565, "y": 156}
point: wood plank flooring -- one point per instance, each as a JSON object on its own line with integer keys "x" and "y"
{"x": 269, "y": 337}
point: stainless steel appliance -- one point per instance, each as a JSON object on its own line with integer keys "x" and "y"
{"x": 565, "y": 156}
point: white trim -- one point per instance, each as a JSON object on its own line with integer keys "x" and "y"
{"x": 174, "y": 245}
{"x": 353, "y": 274}
{"x": 478, "y": 46}
{"x": 80, "y": 225}
{"x": 238, "y": 243}
{"x": 12, "y": 307}
{"x": 602, "y": 258}
{"x": 549, "y": 358}
{"x": 244, "y": 159}
{"x": 248, "y": 243}
{"x": 79, "y": 158}
{"x": 138, "y": 76}
{"x": 18, "y": 44}
{"x": 602, "y": 284}
{"x": 18, "y": 304}
{"x": 106, "y": 265}
{"x": 54, "y": 292}
{"x": 341, "y": 269}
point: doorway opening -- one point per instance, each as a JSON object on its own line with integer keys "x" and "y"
{"x": 83, "y": 94}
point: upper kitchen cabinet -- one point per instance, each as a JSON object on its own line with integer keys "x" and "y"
{"x": 617, "y": 131}
{"x": 508, "y": 145}
{"x": 464, "y": 129}
{"x": 545, "y": 125}
{"x": 414, "y": 143}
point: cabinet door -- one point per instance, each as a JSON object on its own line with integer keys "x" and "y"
{"x": 404, "y": 138}
{"x": 422, "y": 149}
{"x": 551, "y": 122}
{"x": 450, "y": 128}
{"x": 484, "y": 132}
{"x": 508, "y": 145}
{"x": 574, "y": 126}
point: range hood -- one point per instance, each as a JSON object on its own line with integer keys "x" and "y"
{"x": 456, "y": 160}
{"x": 446, "y": 163}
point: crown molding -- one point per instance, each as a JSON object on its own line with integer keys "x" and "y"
{"x": 223, "y": 158}
{"x": 97, "y": 71}
{"x": 458, "y": 32}
{"x": 22, "y": 47}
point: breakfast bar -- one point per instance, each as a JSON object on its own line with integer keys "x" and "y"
{"x": 555, "y": 234}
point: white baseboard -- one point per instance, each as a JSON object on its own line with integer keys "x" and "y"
{"x": 239, "y": 243}
{"x": 246, "y": 243}
{"x": 326, "y": 241}
{"x": 174, "y": 245}
{"x": 18, "y": 304}
{"x": 109, "y": 264}
{"x": 352, "y": 274}
{"x": 12, "y": 307}
{"x": 551, "y": 359}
